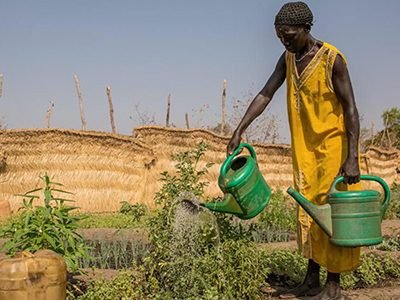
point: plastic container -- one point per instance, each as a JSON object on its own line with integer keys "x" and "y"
{"x": 5, "y": 209}
{"x": 42, "y": 276}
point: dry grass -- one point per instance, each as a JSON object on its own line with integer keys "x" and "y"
{"x": 103, "y": 169}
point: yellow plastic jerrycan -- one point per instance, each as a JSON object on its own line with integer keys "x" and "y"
{"x": 42, "y": 276}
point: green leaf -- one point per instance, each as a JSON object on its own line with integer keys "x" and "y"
{"x": 51, "y": 225}
{"x": 50, "y": 240}
{"x": 61, "y": 199}
{"x": 31, "y": 191}
{"x": 27, "y": 218}
{"x": 61, "y": 191}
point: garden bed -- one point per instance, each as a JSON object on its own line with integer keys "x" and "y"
{"x": 172, "y": 253}
{"x": 386, "y": 289}
{"x": 390, "y": 292}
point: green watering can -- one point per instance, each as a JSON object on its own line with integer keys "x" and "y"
{"x": 350, "y": 218}
{"x": 246, "y": 193}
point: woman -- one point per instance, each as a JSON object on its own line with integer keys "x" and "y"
{"x": 324, "y": 125}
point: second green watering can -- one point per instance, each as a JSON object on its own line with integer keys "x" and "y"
{"x": 246, "y": 193}
{"x": 350, "y": 218}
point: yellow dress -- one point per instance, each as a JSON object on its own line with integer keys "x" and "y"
{"x": 319, "y": 147}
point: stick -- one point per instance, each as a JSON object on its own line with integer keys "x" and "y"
{"x": 187, "y": 120}
{"x": 372, "y": 133}
{"x": 48, "y": 114}
{"x": 168, "y": 110}
{"x": 223, "y": 108}
{"x": 1, "y": 85}
{"x": 108, "y": 90}
{"x": 78, "y": 90}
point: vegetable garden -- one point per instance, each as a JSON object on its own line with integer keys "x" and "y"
{"x": 138, "y": 253}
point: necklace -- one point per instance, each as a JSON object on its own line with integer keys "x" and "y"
{"x": 301, "y": 58}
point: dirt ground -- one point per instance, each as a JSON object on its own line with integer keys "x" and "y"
{"x": 390, "y": 228}
{"x": 390, "y": 292}
{"x": 385, "y": 293}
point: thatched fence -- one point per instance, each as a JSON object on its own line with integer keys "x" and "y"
{"x": 274, "y": 160}
{"x": 103, "y": 169}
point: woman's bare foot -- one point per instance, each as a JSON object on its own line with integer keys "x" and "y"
{"x": 304, "y": 289}
{"x": 310, "y": 286}
{"x": 331, "y": 291}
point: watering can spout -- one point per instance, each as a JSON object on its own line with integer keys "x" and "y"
{"x": 228, "y": 205}
{"x": 321, "y": 214}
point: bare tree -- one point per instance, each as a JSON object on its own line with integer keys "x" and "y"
{"x": 143, "y": 117}
{"x": 271, "y": 126}
{"x": 198, "y": 116}
{"x": 264, "y": 129}
{"x": 389, "y": 136}
{"x": 366, "y": 134}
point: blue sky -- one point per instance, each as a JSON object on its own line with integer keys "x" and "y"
{"x": 148, "y": 49}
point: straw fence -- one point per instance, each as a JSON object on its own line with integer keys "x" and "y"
{"x": 103, "y": 169}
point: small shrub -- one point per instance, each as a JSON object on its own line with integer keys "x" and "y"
{"x": 277, "y": 222}
{"x": 109, "y": 220}
{"x": 231, "y": 270}
{"x": 232, "y": 228}
{"x": 136, "y": 211}
{"x": 375, "y": 269}
{"x": 393, "y": 211}
{"x": 127, "y": 285}
{"x": 46, "y": 227}
{"x": 222, "y": 263}
{"x": 289, "y": 267}
{"x": 113, "y": 254}
{"x": 188, "y": 179}
{"x": 391, "y": 244}
{"x": 280, "y": 212}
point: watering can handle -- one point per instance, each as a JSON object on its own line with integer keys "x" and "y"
{"x": 384, "y": 185}
{"x": 227, "y": 163}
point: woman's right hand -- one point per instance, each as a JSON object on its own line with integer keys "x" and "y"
{"x": 233, "y": 143}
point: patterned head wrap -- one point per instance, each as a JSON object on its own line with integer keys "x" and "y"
{"x": 294, "y": 13}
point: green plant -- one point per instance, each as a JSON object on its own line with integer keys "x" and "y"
{"x": 390, "y": 135}
{"x": 109, "y": 220}
{"x": 106, "y": 254}
{"x": 210, "y": 256}
{"x": 276, "y": 223}
{"x": 136, "y": 211}
{"x": 280, "y": 213}
{"x": 290, "y": 267}
{"x": 393, "y": 211}
{"x": 232, "y": 228}
{"x": 188, "y": 179}
{"x": 46, "y": 227}
{"x": 286, "y": 266}
{"x": 375, "y": 269}
{"x": 390, "y": 244}
{"x": 125, "y": 286}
